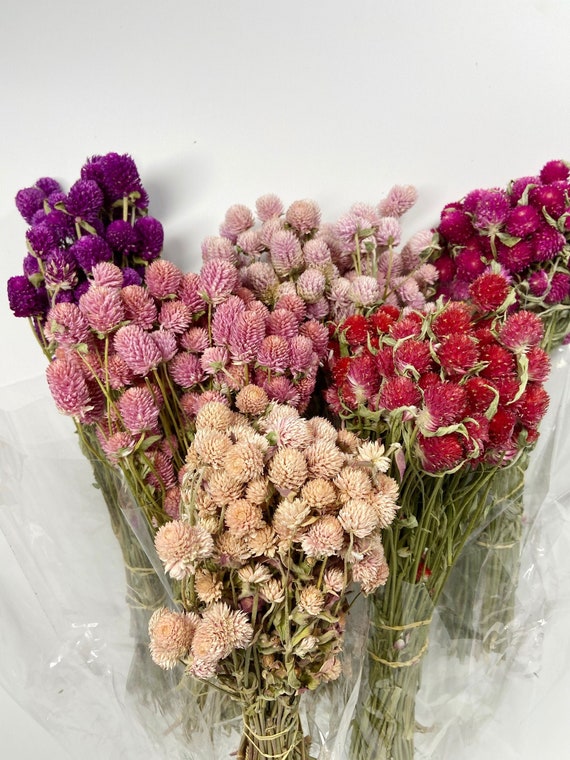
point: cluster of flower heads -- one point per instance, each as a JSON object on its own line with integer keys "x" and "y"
{"x": 460, "y": 385}
{"x": 524, "y": 229}
{"x": 102, "y": 218}
{"x": 279, "y": 514}
{"x": 335, "y": 269}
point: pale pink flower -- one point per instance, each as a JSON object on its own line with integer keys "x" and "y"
{"x": 242, "y": 518}
{"x": 316, "y": 253}
{"x": 175, "y": 316}
{"x": 189, "y": 292}
{"x": 273, "y": 353}
{"x": 139, "y": 305}
{"x": 364, "y": 291}
{"x": 389, "y": 266}
{"x": 195, "y": 340}
{"x": 333, "y": 580}
{"x": 302, "y": 356}
{"x": 238, "y": 219}
{"x": 214, "y": 359}
{"x": 118, "y": 374}
{"x": 215, "y": 247}
{"x": 286, "y": 428}
{"x": 416, "y": 245}
{"x": 372, "y": 570}
{"x": 171, "y": 635}
{"x": 272, "y": 591}
{"x": 108, "y": 274}
{"x": 409, "y": 292}
{"x": 218, "y": 278}
{"x": 244, "y": 461}
{"x": 324, "y": 538}
{"x": 282, "y": 322}
{"x": 311, "y": 285}
{"x": 66, "y": 325}
{"x": 347, "y": 230}
{"x": 318, "y": 334}
{"x": 289, "y": 518}
{"x": 288, "y": 469}
{"x": 250, "y": 242}
{"x": 180, "y": 546}
{"x": 224, "y": 318}
{"x": 268, "y": 206}
{"x": 186, "y": 369}
{"x": 137, "y": 349}
{"x": 426, "y": 274}
{"x": 286, "y": 252}
{"x": 102, "y": 307}
{"x": 191, "y": 403}
{"x": 163, "y": 279}
{"x": 269, "y": 228}
{"x": 303, "y": 216}
{"x": 68, "y": 386}
{"x": 252, "y": 400}
{"x": 311, "y": 600}
{"x": 246, "y": 335}
{"x": 294, "y": 303}
{"x": 166, "y": 342}
{"x": 138, "y": 409}
{"x": 400, "y": 199}
{"x": 358, "y": 517}
{"x": 319, "y": 309}
{"x": 388, "y": 231}
{"x": 261, "y": 278}
{"x": 340, "y": 301}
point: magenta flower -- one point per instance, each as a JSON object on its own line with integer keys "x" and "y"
{"x": 60, "y": 269}
{"x": 547, "y": 243}
{"x": 138, "y": 410}
{"x": 103, "y": 308}
{"x": 491, "y": 211}
{"x": 137, "y": 349}
{"x": 522, "y": 221}
{"x": 559, "y": 288}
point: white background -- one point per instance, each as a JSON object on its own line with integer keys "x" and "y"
{"x": 220, "y": 102}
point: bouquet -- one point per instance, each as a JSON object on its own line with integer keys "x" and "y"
{"x": 524, "y": 231}
{"x": 459, "y": 388}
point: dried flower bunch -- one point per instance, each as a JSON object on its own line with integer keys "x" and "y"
{"x": 280, "y": 515}
{"x": 524, "y": 229}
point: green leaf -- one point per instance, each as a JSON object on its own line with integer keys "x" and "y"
{"x": 508, "y": 240}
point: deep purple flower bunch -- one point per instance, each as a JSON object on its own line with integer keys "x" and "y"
{"x": 102, "y": 218}
{"x": 523, "y": 231}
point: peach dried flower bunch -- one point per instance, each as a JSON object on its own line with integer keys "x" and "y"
{"x": 280, "y": 515}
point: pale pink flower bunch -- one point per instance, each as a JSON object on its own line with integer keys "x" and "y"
{"x": 335, "y": 270}
{"x": 277, "y": 512}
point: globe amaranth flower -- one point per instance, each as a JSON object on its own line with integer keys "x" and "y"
{"x": 84, "y": 199}
{"x": 521, "y": 331}
{"x": 286, "y": 252}
{"x": 25, "y": 299}
{"x": 303, "y": 216}
{"x": 68, "y": 386}
{"x": 180, "y": 546}
{"x": 218, "y": 278}
{"x": 137, "y": 349}
{"x": 489, "y": 291}
{"x": 559, "y": 288}
{"x": 171, "y": 635}
{"x": 117, "y": 175}
{"x": 150, "y": 234}
{"x": 60, "y": 270}
{"x": 163, "y": 278}
{"x": 399, "y": 199}
{"x": 138, "y": 409}
{"x": 89, "y": 250}
{"x": 102, "y": 307}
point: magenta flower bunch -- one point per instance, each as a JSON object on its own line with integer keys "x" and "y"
{"x": 525, "y": 230}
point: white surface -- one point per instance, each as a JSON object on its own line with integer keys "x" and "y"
{"x": 220, "y": 102}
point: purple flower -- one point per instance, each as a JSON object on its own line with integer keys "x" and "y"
{"x": 31, "y": 265}
{"x": 131, "y": 277}
{"x": 538, "y": 283}
{"x": 151, "y": 237}
{"x": 492, "y": 210}
{"x": 559, "y": 288}
{"x": 117, "y": 175}
{"x": 60, "y": 270}
{"x": 554, "y": 171}
{"x": 28, "y": 201}
{"x": 48, "y": 185}
{"x": 122, "y": 237}
{"x": 518, "y": 186}
{"x": 522, "y": 221}
{"x": 547, "y": 243}
{"x": 90, "y": 250}
{"x": 25, "y": 300}
{"x": 41, "y": 239}
{"x": 549, "y": 197}
{"x": 61, "y": 225}
{"x": 84, "y": 199}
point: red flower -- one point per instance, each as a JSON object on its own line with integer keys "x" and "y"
{"x": 413, "y": 354}
{"x": 538, "y": 364}
{"x": 384, "y": 317}
{"x": 340, "y": 370}
{"x": 508, "y": 387}
{"x": 478, "y": 431}
{"x": 489, "y": 291}
{"x": 355, "y": 328}
{"x": 532, "y": 405}
{"x": 362, "y": 380}
{"x": 521, "y": 331}
{"x": 397, "y": 392}
{"x": 500, "y": 362}
{"x": 444, "y": 404}
{"x": 440, "y": 452}
{"x": 385, "y": 361}
{"x": 455, "y": 318}
{"x": 480, "y": 394}
{"x": 407, "y": 327}
{"x": 501, "y": 427}
{"x": 458, "y": 354}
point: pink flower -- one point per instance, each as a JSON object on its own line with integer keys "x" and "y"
{"x": 293, "y": 303}
{"x": 303, "y": 216}
{"x": 139, "y": 305}
{"x": 161, "y": 475}
{"x": 102, "y": 307}
{"x": 191, "y": 403}
{"x": 250, "y": 243}
{"x": 215, "y": 247}
{"x": 388, "y": 232}
{"x": 318, "y": 334}
{"x": 68, "y": 387}
{"x": 440, "y": 453}
{"x": 399, "y": 392}
{"x": 414, "y": 355}
{"x": 559, "y": 288}
{"x": 521, "y": 331}
{"x": 137, "y": 349}
{"x": 225, "y": 317}
{"x": 445, "y": 404}
{"x": 517, "y": 257}
{"x": 274, "y": 353}
{"x": 400, "y": 199}
{"x": 163, "y": 278}
{"x": 66, "y": 325}
{"x": 286, "y": 252}
{"x": 316, "y": 253}
{"x": 282, "y": 322}
{"x": 319, "y": 309}
{"x": 282, "y": 390}
{"x": 138, "y": 409}
{"x": 538, "y": 283}
{"x": 117, "y": 445}
{"x": 186, "y": 369}
{"x": 364, "y": 291}
{"x": 268, "y": 206}
{"x": 261, "y": 278}
{"x": 455, "y": 226}
{"x": 246, "y": 335}
{"x": 175, "y": 316}
{"x": 238, "y": 219}
{"x": 554, "y": 171}
{"x": 180, "y": 546}
{"x": 416, "y": 245}
{"x": 311, "y": 285}
{"x": 195, "y": 340}
{"x": 302, "y": 355}
{"x": 218, "y": 278}
{"x": 214, "y": 359}
{"x": 166, "y": 342}
{"x": 107, "y": 273}
{"x": 188, "y": 292}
